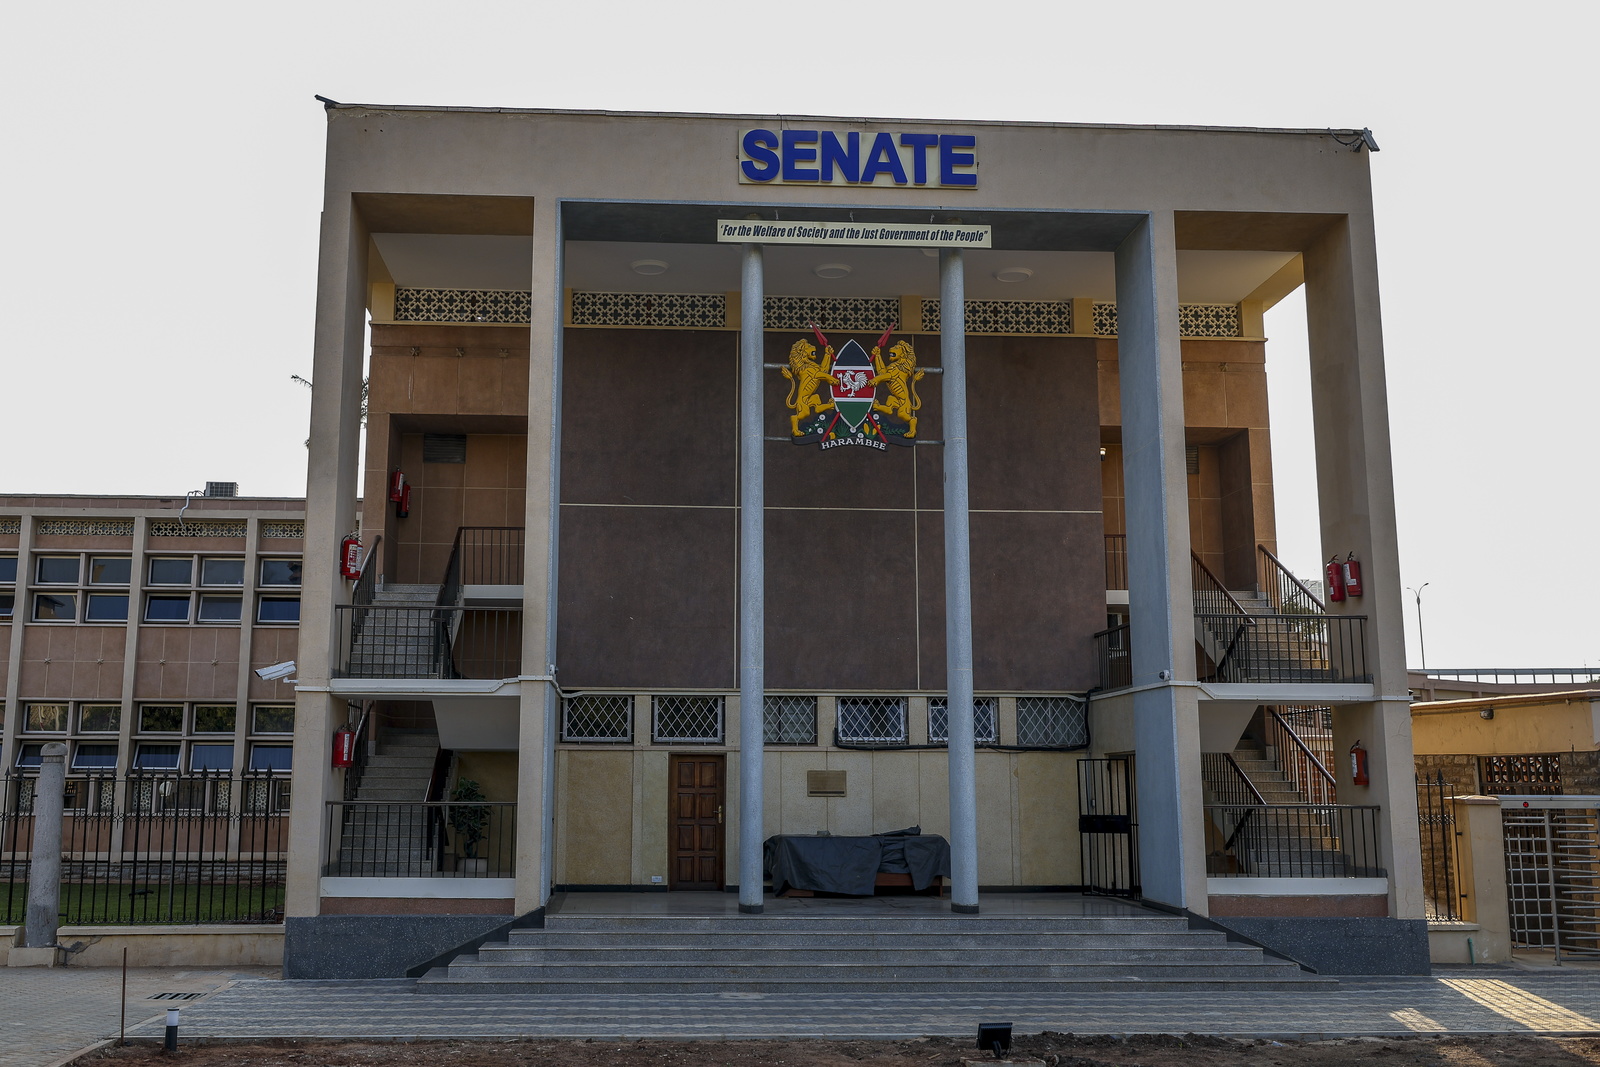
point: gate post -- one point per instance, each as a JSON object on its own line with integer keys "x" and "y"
{"x": 44, "y": 873}
{"x": 1482, "y": 845}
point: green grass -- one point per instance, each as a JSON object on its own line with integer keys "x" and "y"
{"x": 124, "y": 905}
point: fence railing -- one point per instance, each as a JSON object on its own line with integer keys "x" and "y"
{"x": 1116, "y": 561}
{"x": 482, "y": 555}
{"x": 1227, "y": 782}
{"x": 428, "y": 641}
{"x": 1290, "y": 648}
{"x": 421, "y": 839}
{"x": 1441, "y": 863}
{"x": 1295, "y": 841}
{"x": 171, "y": 849}
{"x": 1113, "y": 652}
{"x": 1287, "y": 594}
{"x": 1516, "y": 675}
{"x": 367, "y": 584}
{"x": 1211, "y": 597}
{"x": 1304, "y": 753}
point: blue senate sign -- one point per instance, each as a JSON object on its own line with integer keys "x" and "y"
{"x": 823, "y": 157}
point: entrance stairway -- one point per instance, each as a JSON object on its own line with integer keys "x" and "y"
{"x": 397, "y": 644}
{"x": 1270, "y": 651}
{"x": 389, "y": 834}
{"x": 1277, "y": 842}
{"x": 816, "y": 953}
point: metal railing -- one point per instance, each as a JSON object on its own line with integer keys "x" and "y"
{"x": 482, "y": 555}
{"x": 1516, "y": 675}
{"x": 1116, "y": 561}
{"x": 1290, "y": 648}
{"x": 1295, "y": 841}
{"x": 1211, "y": 597}
{"x": 1287, "y": 594}
{"x": 367, "y": 584}
{"x": 363, "y": 750}
{"x": 421, "y": 839}
{"x": 1441, "y": 861}
{"x": 169, "y": 849}
{"x": 1113, "y": 652}
{"x": 1227, "y": 782}
{"x": 428, "y": 641}
{"x": 1303, "y": 758}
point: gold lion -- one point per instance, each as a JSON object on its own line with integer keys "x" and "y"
{"x": 806, "y": 375}
{"x": 900, "y": 375}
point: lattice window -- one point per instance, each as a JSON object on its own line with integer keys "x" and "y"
{"x": 1052, "y": 722}
{"x": 1105, "y": 320}
{"x": 985, "y": 720}
{"x": 872, "y": 719}
{"x": 1520, "y": 775}
{"x": 198, "y": 528}
{"x": 86, "y": 527}
{"x": 461, "y": 305}
{"x": 1208, "y": 320}
{"x": 685, "y": 311}
{"x": 597, "y": 718}
{"x": 291, "y": 530}
{"x": 1046, "y": 318}
{"x": 832, "y": 313}
{"x": 790, "y": 720}
{"x": 10, "y": 526}
{"x": 679, "y": 720}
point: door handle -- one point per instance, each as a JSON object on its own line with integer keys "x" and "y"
{"x": 719, "y": 814}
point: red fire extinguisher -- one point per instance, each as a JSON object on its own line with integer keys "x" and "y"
{"x": 1352, "y": 576}
{"x": 403, "y": 507}
{"x": 350, "y": 557}
{"x": 1335, "y": 576}
{"x": 344, "y": 747}
{"x": 1358, "y": 765}
{"x": 397, "y": 482}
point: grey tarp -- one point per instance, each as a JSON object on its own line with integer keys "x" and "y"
{"x": 851, "y": 864}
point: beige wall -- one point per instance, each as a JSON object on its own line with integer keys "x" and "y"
{"x": 1518, "y": 726}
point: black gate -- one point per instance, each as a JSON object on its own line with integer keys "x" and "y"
{"x": 1108, "y": 827}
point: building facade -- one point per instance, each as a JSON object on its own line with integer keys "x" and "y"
{"x": 729, "y": 479}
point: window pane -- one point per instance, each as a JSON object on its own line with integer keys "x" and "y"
{"x": 274, "y": 719}
{"x": 110, "y": 570}
{"x": 271, "y": 757}
{"x": 278, "y": 609}
{"x": 222, "y": 572}
{"x": 8, "y": 570}
{"x": 107, "y": 607}
{"x": 214, "y": 718}
{"x": 55, "y": 607}
{"x": 166, "y": 609}
{"x": 94, "y": 757}
{"x": 160, "y": 718}
{"x": 220, "y": 608}
{"x": 45, "y": 718}
{"x": 280, "y": 572}
{"x": 57, "y": 570}
{"x": 100, "y": 718}
{"x": 8, "y": 605}
{"x": 171, "y": 571}
{"x": 30, "y": 756}
{"x": 211, "y": 757}
{"x": 156, "y": 758}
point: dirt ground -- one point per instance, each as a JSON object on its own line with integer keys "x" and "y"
{"x": 1053, "y": 1049}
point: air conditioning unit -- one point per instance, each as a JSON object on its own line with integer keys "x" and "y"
{"x": 222, "y": 489}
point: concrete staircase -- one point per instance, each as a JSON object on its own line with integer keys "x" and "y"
{"x": 1275, "y": 653}
{"x": 389, "y": 834}
{"x": 398, "y": 643}
{"x": 1281, "y": 844}
{"x": 817, "y": 954}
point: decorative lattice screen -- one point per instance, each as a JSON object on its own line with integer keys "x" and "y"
{"x": 690, "y": 720}
{"x": 872, "y": 719}
{"x": 597, "y": 718}
{"x": 790, "y": 720}
{"x": 1052, "y": 722}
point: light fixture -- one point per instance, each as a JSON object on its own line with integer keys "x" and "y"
{"x": 649, "y": 266}
{"x": 1013, "y": 274}
{"x": 831, "y": 270}
{"x": 994, "y": 1038}
{"x": 1102, "y": 451}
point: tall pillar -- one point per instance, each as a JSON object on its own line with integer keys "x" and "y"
{"x": 1355, "y": 496}
{"x": 1166, "y": 707}
{"x": 962, "y": 752}
{"x": 44, "y": 876}
{"x": 752, "y": 580}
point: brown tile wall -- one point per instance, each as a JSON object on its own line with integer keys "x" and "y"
{"x": 72, "y": 662}
{"x": 187, "y": 663}
{"x": 269, "y": 645}
{"x": 486, "y": 490}
{"x": 448, "y": 370}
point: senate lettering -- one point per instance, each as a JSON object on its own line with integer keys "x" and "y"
{"x": 824, "y": 157}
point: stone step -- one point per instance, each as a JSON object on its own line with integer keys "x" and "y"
{"x": 406, "y": 756}
{"x": 394, "y": 794}
{"x": 793, "y": 956}
{"x": 847, "y": 973}
{"x": 944, "y": 925}
{"x": 435, "y": 982}
{"x": 550, "y": 940}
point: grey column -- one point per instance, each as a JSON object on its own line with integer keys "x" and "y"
{"x": 752, "y": 582}
{"x": 1160, "y": 595}
{"x": 44, "y": 876}
{"x": 958, "y": 588}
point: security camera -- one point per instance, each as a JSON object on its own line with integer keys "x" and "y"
{"x": 276, "y": 671}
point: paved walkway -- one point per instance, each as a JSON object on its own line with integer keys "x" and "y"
{"x": 47, "y": 1013}
{"x": 1477, "y": 1000}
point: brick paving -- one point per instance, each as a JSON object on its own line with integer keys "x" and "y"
{"x": 1480, "y": 1000}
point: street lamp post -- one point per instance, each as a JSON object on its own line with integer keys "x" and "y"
{"x": 1421, "y": 644}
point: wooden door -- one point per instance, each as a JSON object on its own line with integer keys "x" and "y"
{"x": 698, "y": 801}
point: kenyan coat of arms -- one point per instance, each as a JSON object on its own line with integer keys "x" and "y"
{"x": 851, "y": 398}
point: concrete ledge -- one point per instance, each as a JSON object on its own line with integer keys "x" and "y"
{"x": 422, "y": 888}
{"x": 505, "y": 906}
{"x": 212, "y": 945}
{"x": 1374, "y": 905}
{"x": 33, "y": 957}
{"x": 1297, "y": 887}
{"x": 1340, "y": 945}
{"x": 374, "y": 946}
{"x": 1449, "y": 943}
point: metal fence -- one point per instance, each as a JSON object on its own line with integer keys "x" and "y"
{"x": 171, "y": 849}
{"x": 1441, "y": 859}
{"x": 421, "y": 839}
{"x": 1304, "y": 748}
{"x": 1116, "y": 561}
{"x": 428, "y": 641}
{"x": 1289, "y": 648}
{"x": 1114, "y": 654}
{"x": 1553, "y": 873}
{"x": 1295, "y": 841}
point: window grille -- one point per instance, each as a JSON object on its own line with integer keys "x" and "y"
{"x": 790, "y": 720}
{"x": 1052, "y": 722}
{"x": 597, "y": 718}
{"x": 1521, "y": 775}
{"x": 283, "y": 529}
{"x": 686, "y": 720}
{"x": 197, "y": 528}
{"x": 699, "y": 311}
{"x": 985, "y": 720}
{"x": 872, "y": 719}
{"x": 461, "y": 305}
{"x": 835, "y": 314}
{"x": 84, "y": 527}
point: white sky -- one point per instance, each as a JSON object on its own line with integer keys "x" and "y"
{"x": 163, "y": 167}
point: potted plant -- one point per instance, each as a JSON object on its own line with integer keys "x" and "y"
{"x": 470, "y": 823}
